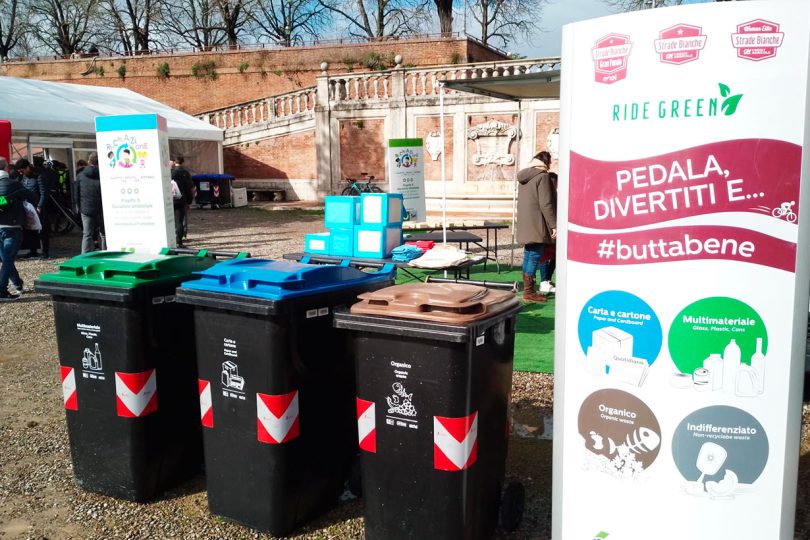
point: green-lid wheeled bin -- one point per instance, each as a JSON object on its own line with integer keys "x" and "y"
{"x": 128, "y": 369}
{"x": 276, "y": 387}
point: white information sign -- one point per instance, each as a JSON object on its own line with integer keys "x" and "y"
{"x": 406, "y": 175}
{"x": 682, "y": 305}
{"x": 133, "y": 155}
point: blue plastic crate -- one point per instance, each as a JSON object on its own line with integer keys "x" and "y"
{"x": 382, "y": 209}
{"x": 317, "y": 243}
{"x": 341, "y": 242}
{"x": 375, "y": 242}
{"x": 341, "y": 212}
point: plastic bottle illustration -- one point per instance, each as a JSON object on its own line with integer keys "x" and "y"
{"x": 731, "y": 364}
{"x": 758, "y": 364}
{"x": 714, "y": 363}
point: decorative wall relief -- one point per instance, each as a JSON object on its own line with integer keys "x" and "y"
{"x": 492, "y": 141}
{"x": 433, "y": 145}
{"x": 553, "y": 143}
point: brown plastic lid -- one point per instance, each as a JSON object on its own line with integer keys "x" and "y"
{"x": 435, "y": 302}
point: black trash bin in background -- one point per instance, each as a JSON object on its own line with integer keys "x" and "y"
{"x": 213, "y": 189}
{"x": 276, "y": 387}
{"x": 128, "y": 368}
{"x": 434, "y": 375}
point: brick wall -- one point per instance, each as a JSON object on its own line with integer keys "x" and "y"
{"x": 545, "y": 122}
{"x": 280, "y": 158}
{"x": 362, "y": 148}
{"x": 244, "y": 75}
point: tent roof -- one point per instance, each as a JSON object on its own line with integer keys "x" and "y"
{"x": 57, "y": 108}
{"x": 542, "y": 84}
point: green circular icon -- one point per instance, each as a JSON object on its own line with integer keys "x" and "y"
{"x": 708, "y": 326}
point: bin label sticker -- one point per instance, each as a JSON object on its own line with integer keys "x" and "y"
{"x": 233, "y": 385}
{"x": 367, "y": 425}
{"x": 277, "y": 417}
{"x": 206, "y": 403}
{"x": 136, "y": 393}
{"x": 69, "y": 388}
{"x": 455, "y": 442}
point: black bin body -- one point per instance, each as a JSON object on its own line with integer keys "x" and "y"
{"x": 128, "y": 367}
{"x": 275, "y": 351}
{"x": 213, "y": 189}
{"x": 429, "y": 382}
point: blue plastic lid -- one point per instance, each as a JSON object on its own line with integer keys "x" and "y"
{"x": 280, "y": 280}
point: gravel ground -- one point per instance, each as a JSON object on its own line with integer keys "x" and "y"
{"x": 39, "y": 500}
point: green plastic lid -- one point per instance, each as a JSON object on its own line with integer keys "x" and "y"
{"x": 128, "y": 270}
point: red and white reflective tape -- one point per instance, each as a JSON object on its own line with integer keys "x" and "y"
{"x": 277, "y": 417}
{"x": 69, "y": 388}
{"x": 136, "y": 393}
{"x": 206, "y": 404}
{"x": 367, "y": 425}
{"x": 455, "y": 442}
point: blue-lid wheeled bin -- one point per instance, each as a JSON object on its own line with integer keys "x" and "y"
{"x": 276, "y": 385}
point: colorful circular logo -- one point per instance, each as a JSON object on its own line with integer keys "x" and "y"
{"x": 126, "y": 156}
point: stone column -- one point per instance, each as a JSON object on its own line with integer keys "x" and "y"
{"x": 323, "y": 135}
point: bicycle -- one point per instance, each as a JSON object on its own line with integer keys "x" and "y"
{"x": 61, "y": 216}
{"x": 356, "y": 187}
{"x": 785, "y": 211}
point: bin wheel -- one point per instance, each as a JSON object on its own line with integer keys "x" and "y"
{"x": 355, "y": 482}
{"x": 512, "y": 505}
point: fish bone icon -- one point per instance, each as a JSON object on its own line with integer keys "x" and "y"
{"x": 277, "y": 417}
{"x": 455, "y": 442}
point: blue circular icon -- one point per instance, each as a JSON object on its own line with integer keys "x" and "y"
{"x": 620, "y": 324}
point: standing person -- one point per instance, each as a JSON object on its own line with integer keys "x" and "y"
{"x": 536, "y": 220}
{"x": 548, "y": 266}
{"x": 89, "y": 194}
{"x": 48, "y": 179}
{"x": 182, "y": 205}
{"x": 12, "y": 219}
{"x": 36, "y": 185}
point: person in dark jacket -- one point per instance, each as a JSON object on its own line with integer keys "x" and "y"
{"x": 536, "y": 220}
{"x": 182, "y": 177}
{"x": 36, "y": 185}
{"x": 48, "y": 179}
{"x": 12, "y": 220}
{"x": 88, "y": 183}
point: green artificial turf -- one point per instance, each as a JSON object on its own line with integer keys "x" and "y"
{"x": 534, "y": 341}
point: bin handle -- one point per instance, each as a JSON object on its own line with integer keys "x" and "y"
{"x": 206, "y": 253}
{"x": 345, "y": 263}
{"x": 305, "y": 259}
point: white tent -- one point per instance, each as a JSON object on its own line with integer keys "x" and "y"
{"x": 44, "y": 112}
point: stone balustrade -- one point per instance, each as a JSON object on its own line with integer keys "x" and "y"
{"x": 300, "y": 102}
{"x": 368, "y": 87}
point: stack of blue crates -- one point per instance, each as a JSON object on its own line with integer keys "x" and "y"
{"x": 369, "y": 226}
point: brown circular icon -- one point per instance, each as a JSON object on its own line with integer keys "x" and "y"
{"x": 620, "y": 429}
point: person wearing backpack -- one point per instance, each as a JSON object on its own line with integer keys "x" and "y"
{"x": 183, "y": 193}
{"x": 88, "y": 183}
{"x": 12, "y": 219}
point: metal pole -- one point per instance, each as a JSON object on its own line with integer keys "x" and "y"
{"x": 515, "y": 190}
{"x": 444, "y": 174}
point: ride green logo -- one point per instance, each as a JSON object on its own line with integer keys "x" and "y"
{"x": 707, "y": 327}
{"x": 679, "y": 108}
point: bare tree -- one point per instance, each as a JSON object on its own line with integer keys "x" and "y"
{"x": 234, "y": 15}
{"x": 192, "y": 22}
{"x": 286, "y": 22}
{"x": 635, "y": 5}
{"x": 444, "y": 9}
{"x": 381, "y": 18}
{"x": 133, "y": 21}
{"x": 64, "y": 26}
{"x": 10, "y": 28}
{"x": 503, "y": 20}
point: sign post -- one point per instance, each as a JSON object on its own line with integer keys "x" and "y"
{"x": 406, "y": 175}
{"x": 133, "y": 156}
{"x": 682, "y": 310}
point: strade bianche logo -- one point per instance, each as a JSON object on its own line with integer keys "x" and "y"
{"x": 680, "y": 44}
{"x": 610, "y": 54}
{"x": 757, "y": 40}
{"x": 679, "y": 108}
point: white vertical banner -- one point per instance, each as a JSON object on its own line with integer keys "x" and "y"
{"x": 406, "y": 175}
{"x": 133, "y": 158}
{"x": 682, "y": 303}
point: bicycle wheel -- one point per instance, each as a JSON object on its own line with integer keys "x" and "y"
{"x": 374, "y": 189}
{"x": 778, "y": 212}
{"x": 60, "y": 224}
{"x": 350, "y": 191}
